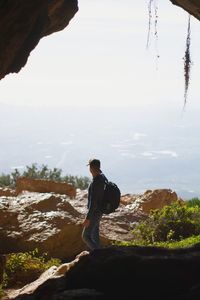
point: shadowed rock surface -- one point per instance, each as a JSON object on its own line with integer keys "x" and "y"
{"x": 53, "y": 272}
{"x": 127, "y": 273}
{"x": 191, "y": 6}
{"x": 24, "y": 23}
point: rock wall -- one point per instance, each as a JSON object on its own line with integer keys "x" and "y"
{"x": 44, "y": 186}
{"x": 24, "y": 23}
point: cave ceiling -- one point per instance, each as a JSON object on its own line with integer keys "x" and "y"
{"x": 24, "y": 23}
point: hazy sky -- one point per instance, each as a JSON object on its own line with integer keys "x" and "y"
{"x": 101, "y": 59}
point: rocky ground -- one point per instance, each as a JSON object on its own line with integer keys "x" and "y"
{"x": 53, "y": 222}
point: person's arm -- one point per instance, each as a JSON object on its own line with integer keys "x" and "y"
{"x": 96, "y": 198}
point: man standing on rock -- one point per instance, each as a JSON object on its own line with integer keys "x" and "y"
{"x": 90, "y": 234}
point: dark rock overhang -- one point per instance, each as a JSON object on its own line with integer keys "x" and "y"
{"x": 24, "y": 22}
{"x": 191, "y": 6}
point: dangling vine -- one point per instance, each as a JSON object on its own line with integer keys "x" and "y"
{"x": 149, "y": 23}
{"x": 187, "y": 57}
{"x": 187, "y": 62}
{"x": 153, "y": 13}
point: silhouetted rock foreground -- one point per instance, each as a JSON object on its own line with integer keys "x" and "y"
{"x": 126, "y": 273}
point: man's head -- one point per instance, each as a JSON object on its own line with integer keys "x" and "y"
{"x": 95, "y": 166}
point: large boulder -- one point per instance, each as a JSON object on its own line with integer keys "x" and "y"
{"x": 155, "y": 199}
{"x": 44, "y": 221}
{"x": 47, "y": 221}
{"x": 53, "y": 222}
{"x": 124, "y": 273}
{"x": 44, "y": 186}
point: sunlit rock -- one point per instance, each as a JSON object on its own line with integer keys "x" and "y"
{"x": 53, "y": 222}
{"x": 44, "y": 186}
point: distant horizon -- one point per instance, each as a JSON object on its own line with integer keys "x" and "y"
{"x": 94, "y": 89}
{"x": 185, "y": 195}
{"x": 135, "y": 152}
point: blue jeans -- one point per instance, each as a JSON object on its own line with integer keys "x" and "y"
{"x": 90, "y": 234}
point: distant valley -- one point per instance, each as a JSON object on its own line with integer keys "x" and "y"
{"x": 140, "y": 149}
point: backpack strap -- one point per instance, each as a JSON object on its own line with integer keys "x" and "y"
{"x": 105, "y": 181}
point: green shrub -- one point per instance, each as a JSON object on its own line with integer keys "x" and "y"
{"x": 172, "y": 223}
{"x": 43, "y": 172}
{"x": 193, "y": 202}
{"x": 5, "y": 180}
{"x": 81, "y": 182}
{"x": 1, "y": 291}
{"x": 25, "y": 267}
{"x": 188, "y": 242}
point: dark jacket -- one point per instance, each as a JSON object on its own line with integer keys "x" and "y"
{"x": 95, "y": 195}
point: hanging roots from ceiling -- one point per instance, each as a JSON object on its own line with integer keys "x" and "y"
{"x": 153, "y": 13}
{"x": 149, "y": 23}
{"x": 187, "y": 62}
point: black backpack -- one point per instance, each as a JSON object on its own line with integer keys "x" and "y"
{"x": 111, "y": 198}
